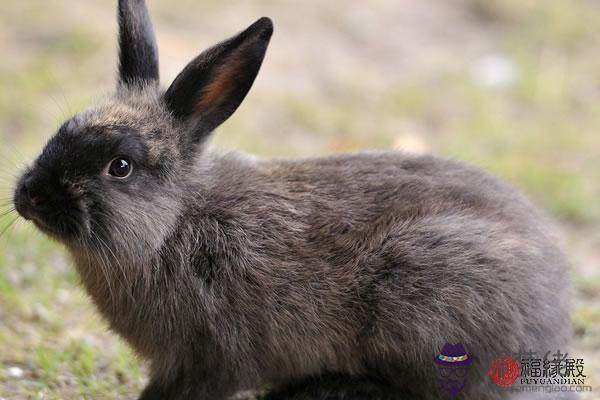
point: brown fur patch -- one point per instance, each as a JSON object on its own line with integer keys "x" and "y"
{"x": 222, "y": 85}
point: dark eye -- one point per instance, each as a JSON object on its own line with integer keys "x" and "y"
{"x": 120, "y": 167}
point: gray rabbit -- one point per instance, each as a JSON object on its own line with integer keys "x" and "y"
{"x": 327, "y": 278}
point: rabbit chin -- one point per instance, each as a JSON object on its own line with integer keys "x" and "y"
{"x": 65, "y": 228}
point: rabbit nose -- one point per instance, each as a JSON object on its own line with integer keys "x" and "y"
{"x": 36, "y": 200}
{"x": 34, "y": 197}
{"x": 26, "y": 199}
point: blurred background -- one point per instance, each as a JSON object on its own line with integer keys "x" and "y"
{"x": 510, "y": 85}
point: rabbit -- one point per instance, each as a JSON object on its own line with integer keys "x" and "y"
{"x": 338, "y": 277}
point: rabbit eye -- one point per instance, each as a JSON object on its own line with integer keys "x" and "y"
{"x": 120, "y": 167}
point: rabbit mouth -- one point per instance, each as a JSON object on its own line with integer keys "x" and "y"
{"x": 60, "y": 227}
{"x": 59, "y": 221}
{"x": 50, "y": 205}
{"x": 39, "y": 223}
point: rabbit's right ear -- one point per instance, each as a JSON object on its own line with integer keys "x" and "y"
{"x": 138, "y": 54}
{"x": 214, "y": 84}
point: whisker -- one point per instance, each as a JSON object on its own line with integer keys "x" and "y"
{"x": 12, "y": 158}
{"x": 120, "y": 267}
{"x": 8, "y": 168}
{"x": 61, "y": 110}
{"x": 8, "y": 226}
{"x": 7, "y": 212}
{"x": 64, "y": 107}
{"x": 12, "y": 228}
{"x": 104, "y": 268}
{"x": 9, "y": 177}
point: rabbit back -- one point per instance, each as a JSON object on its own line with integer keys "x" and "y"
{"x": 373, "y": 261}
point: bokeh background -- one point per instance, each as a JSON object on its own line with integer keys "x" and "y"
{"x": 510, "y": 85}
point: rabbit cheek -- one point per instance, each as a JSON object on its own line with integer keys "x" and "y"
{"x": 66, "y": 225}
{"x": 132, "y": 221}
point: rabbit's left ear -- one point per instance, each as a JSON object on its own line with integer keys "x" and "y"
{"x": 138, "y": 54}
{"x": 214, "y": 84}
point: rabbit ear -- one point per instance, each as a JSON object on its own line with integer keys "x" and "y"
{"x": 138, "y": 54}
{"x": 214, "y": 84}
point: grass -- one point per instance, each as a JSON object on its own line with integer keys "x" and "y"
{"x": 51, "y": 332}
{"x": 539, "y": 132}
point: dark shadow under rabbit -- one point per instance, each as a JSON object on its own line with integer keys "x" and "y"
{"x": 326, "y": 278}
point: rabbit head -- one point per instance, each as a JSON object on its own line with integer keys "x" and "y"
{"x": 118, "y": 171}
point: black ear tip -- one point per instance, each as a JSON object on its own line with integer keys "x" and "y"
{"x": 263, "y": 27}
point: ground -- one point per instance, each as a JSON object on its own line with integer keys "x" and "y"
{"x": 510, "y": 85}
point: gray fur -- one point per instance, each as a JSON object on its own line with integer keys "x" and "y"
{"x": 138, "y": 53}
{"x": 231, "y": 273}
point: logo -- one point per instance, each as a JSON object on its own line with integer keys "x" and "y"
{"x": 452, "y": 365}
{"x": 504, "y": 371}
{"x": 548, "y": 373}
